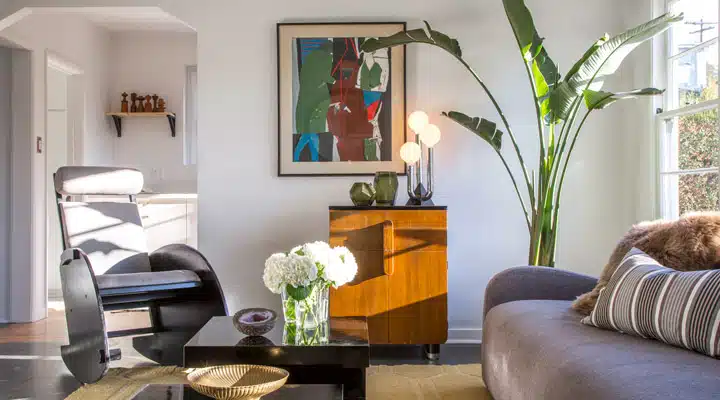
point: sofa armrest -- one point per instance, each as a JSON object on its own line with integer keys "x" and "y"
{"x": 535, "y": 283}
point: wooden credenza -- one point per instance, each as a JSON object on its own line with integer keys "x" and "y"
{"x": 401, "y": 285}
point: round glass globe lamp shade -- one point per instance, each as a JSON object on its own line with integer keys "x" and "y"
{"x": 430, "y": 136}
{"x": 417, "y": 121}
{"x": 410, "y": 152}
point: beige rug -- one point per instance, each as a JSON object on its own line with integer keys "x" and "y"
{"x": 402, "y": 382}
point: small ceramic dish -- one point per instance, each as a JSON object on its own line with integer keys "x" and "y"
{"x": 255, "y": 321}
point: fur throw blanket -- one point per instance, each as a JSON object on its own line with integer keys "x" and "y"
{"x": 689, "y": 244}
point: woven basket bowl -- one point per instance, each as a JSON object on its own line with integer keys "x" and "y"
{"x": 234, "y": 382}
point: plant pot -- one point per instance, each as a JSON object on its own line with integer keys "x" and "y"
{"x": 386, "y": 185}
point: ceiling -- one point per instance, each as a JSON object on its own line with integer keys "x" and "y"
{"x": 121, "y": 19}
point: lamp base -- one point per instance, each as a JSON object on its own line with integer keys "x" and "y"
{"x": 419, "y": 192}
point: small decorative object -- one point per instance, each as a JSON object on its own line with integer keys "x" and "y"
{"x": 133, "y": 99}
{"x": 386, "y": 185}
{"x": 148, "y": 105}
{"x": 341, "y": 110}
{"x": 154, "y": 103}
{"x": 161, "y": 105}
{"x": 362, "y": 194}
{"x": 303, "y": 278}
{"x": 412, "y": 153}
{"x": 237, "y": 382}
{"x": 141, "y": 106}
{"x": 124, "y": 103}
{"x": 254, "y": 321}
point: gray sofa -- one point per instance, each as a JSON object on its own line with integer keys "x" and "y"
{"x": 534, "y": 347}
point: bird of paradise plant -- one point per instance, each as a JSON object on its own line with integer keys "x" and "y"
{"x": 558, "y": 102}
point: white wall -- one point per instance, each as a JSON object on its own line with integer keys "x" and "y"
{"x": 5, "y": 154}
{"x": 246, "y": 212}
{"x": 153, "y": 63}
{"x": 86, "y": 46}
{"x": 24, "y": 262}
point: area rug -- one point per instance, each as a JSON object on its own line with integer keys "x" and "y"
{"x": 401, "y": 382}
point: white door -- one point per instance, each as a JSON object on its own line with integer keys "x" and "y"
{"x": 58, "y": 150}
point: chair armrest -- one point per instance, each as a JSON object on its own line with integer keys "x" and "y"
{"x": 535, "y": 283}
{"x": 175, "y": 257}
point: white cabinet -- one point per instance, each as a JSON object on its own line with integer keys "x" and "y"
{"x": 168, "y": 220}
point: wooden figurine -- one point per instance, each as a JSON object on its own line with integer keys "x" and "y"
{"x": 155, "y": 99}
{"x": 148, "y": 104}
{"x": 133, "y": 99}
{"x": 161, "y": 105}
{"x": 124, "y": 103}
{"x": 141, "y": 101}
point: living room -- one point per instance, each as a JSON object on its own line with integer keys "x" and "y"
{"x": 248, "y": 185}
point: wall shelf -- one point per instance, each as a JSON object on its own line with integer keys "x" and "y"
{"x": 118, "y": 116}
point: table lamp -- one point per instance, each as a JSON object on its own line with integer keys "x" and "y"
{"x": 428, "y": 135}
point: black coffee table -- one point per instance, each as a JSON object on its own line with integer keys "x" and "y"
{"x": 337, "y": 353}
{"x": 287, "y": 392}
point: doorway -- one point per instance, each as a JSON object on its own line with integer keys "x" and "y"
{"x": 63, "y": 83}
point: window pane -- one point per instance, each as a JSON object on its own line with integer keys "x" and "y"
{"x": 687, "y": 193}
{"x": 691, "y": 142}
{"x": 695, "y": 77}
{"x": 700, "y": 24}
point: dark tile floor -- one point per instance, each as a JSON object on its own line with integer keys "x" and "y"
{"x": 31, "y": 367}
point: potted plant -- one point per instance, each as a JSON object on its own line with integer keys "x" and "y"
{"x": 558, "y": 107}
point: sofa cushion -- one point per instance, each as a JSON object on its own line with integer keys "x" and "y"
{"x": 539, "y": 349}
{"x": 646, "y": 299}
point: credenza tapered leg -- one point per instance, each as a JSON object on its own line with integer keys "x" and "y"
{"x": 432, "y": 351}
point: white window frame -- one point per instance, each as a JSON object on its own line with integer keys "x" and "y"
{"x": 191, "y": 113}
{"x": 668, "y": 200}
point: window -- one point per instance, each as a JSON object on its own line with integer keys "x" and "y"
{"x": 689, "y": 130}
{"x": 191, "y": 104}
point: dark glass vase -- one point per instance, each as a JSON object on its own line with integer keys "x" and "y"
{"x": 362, "y": 194}
{"x": 386, "y": 185}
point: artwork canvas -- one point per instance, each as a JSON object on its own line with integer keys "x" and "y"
{"x": 341, "y": 110}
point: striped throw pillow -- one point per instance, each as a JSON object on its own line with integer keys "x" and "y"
{"x": 645, "y": 299}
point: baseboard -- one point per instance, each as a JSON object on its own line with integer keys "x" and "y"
{"x": 464, "y": 336}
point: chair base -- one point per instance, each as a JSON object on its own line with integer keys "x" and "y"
{"x": 175, "y": 312}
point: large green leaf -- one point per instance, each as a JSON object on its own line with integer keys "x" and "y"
{"x": 428, "y": 36}
{"x": 487, "y": 130}
{"x": 543, "y": 69}
{"x": 603, "y": 62}
{"x": 597, "y": 100}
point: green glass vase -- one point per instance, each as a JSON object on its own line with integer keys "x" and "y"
{"x": 362, "y": 194}
{"x": 386, "y": 185}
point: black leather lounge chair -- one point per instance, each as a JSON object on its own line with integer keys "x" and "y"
{"x": 106, "y": 266}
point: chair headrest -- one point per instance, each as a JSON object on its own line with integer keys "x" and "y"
{"x": 77, "y": 180}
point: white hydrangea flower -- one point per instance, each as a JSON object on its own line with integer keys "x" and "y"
{"x": 319, "y": 252}
{"x": 342, "y": 267}
{"x": 300, "y": 270}
{"x": 309, "y": 264}
{"x": 274, "y": 274}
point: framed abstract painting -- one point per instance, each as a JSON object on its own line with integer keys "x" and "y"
{"x": 341, "y": 111}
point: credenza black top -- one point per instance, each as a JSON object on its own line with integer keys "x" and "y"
{"x": 403, "y": 207}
